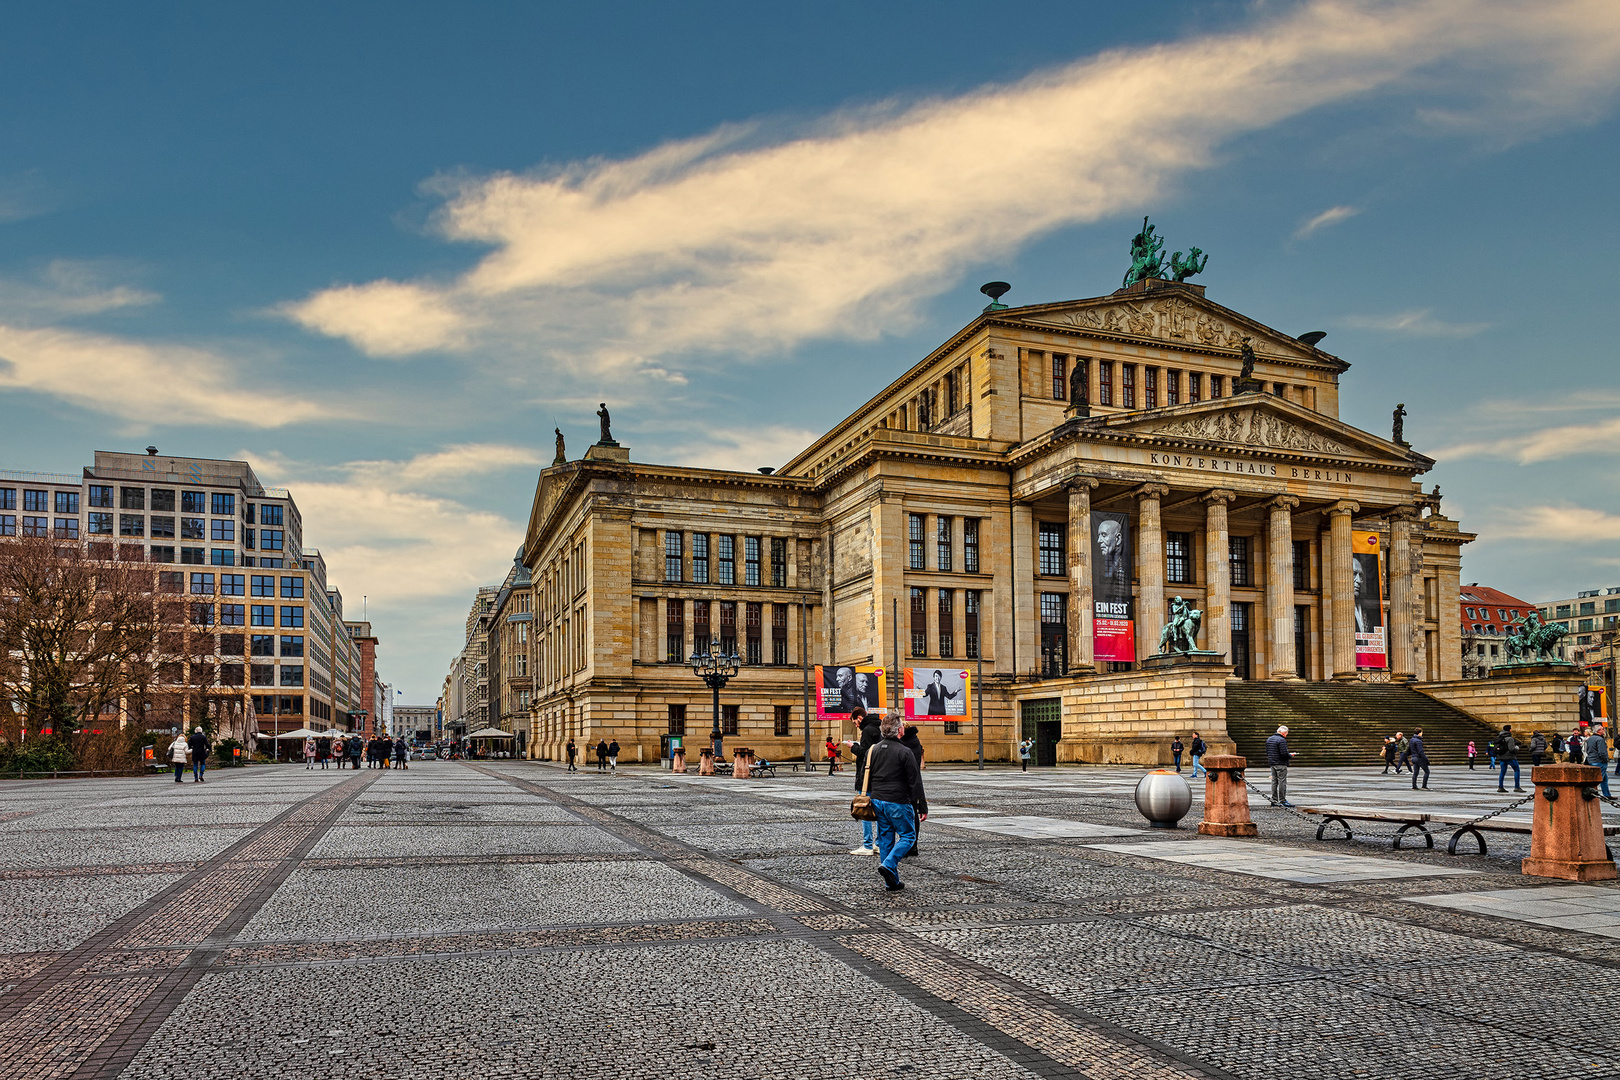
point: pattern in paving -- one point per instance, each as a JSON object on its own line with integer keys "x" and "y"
{"x": 512, "y": 919}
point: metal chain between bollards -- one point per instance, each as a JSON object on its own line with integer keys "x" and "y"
{"x": 1494, "y": 813}
{"x": 1441, "y": 829}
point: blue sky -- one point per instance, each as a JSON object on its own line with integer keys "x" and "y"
{"x": 380, "y": 249}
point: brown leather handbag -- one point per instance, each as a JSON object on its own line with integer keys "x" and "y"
{"x": 860, "y": 807}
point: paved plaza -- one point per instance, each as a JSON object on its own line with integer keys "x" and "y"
{"x": 511, "y": 919}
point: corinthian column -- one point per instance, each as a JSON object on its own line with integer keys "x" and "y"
{"x": 1341, "y": 589}
{"x": 1280, "y": 585}
{"x": 1217, "y": 573}
{"x": 1401, "y": 662}
{"x": 1149, "y": 569}
{"x": 1082, "y": 657}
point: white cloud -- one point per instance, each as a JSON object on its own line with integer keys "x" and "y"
{"x": 736, "y": 242}
{"x": 1555, "y": 524}
{"x": 1331, "y": 216}
{"x": 69, "y": 287}
{"x": 149, "y": 384}
{"x": 1419, "y": 322}
{"x": 743, "y": 449}
{"x": 1552, "y": 443}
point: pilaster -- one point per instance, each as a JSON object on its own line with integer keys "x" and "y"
{"x": 1280, "y": 585}
{"x": 1341, "y": 593}
{"x": 1401, "y": 662}
{"x": 1217, "y": 573}
{"x": 1149, "y": 569}
{"x": 1082, "y": 657}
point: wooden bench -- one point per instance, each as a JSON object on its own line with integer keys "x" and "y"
{"x": 1497, "y": 825}
{"x": 1466, "y": 826}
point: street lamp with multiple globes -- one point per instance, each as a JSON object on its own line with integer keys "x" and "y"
{"x": 716, "y": 669}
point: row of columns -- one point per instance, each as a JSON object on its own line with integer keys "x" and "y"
{"x": 1217, "y": 625}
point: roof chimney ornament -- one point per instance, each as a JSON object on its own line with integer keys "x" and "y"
{"x": 995, "y": 290}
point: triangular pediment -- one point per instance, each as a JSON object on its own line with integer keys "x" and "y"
{"x": 1172, "y": 317}
{"x": 1257, "y": 422}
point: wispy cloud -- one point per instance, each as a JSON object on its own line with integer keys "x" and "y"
{"x": 1555, "y": 524}
{"x": 145, "y": 383}
{"x": 1546, "y": 444}
{"x": 737, "y": 241}
{"x": 1331, "y": 216}
{"x": 743, "y": 449}
{"x": 1419, "y": 322}
{"x": 69, "y": 287}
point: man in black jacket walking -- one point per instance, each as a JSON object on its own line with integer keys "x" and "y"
{"x": 896, "y": 789}
{"x": 1507, "y": 753}
{"x": 1419, "y": 759}
{"x": 199, "y": 755}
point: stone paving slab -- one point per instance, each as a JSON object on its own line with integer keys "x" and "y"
{"x": 1038, "y": 828}
{"x": 1589, "y": 909}
{"x": 1283, "y": 863}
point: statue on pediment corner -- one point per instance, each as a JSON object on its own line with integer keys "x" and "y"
{"x": 561, "y": 457}
{"x": 1147, "y": 256}
{"x": 1191, "y": 266}
{"x": 1398, "y": 425}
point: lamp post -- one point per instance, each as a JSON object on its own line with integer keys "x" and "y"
{"x": 716, "y": 669}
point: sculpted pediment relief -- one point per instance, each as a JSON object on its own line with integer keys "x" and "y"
{"x": 1248, "y": 427}
{"x": 1172, "y": 319}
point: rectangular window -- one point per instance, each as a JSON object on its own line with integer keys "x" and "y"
{"x": 677, "y": 719}
{"x": 947, "y": 620}
{"x": 701, "y": 638}
{"x": 162, "y": 553}
{"x": 264, "y": 585}
{"x": 700, "y": 558}
{"x": 194, "y": 555}
{"x": 192, "y": 528}
{"x": 248, "y": 538}
{"x": 292, "y": 588}
{"x": 1215, "y": 387}
{"x": 292, "y": 616}
{"x": 1587, "y": 608}
{"x": 1058, "y": 381}
{"x": 263, "y": 614}
{"x": 263, "y": 645}
{"x": 101, "y": 524}
{"x": 1178, "y": 558}
{"x": 1563, "y": 611}
{"x": 1195, "y": 387}
{"x": 131, "y": 525}
{"x": 942, "y": 543}
{"x": 753, "y": 616}
{"x": 1051, "y": 540}
{"x": 38, "y": 502}
{"x": 1172, "y": 388}
{"x": 292, "y": 645}
{"x": 67, "y": 528}
{"x": 784, "y": 721}
{"x": 1054, "y": 634}
{"x": 202, "y": 614}
{"x": 1583, "y": 626}
{"x": 914, "y": 526}
{"x": 728, "y": 627}
{"x": 262, "y": 674}
{"x": 674, "y": 628}
{"x": 953, "y": 727}
{"x": 100, "y": 495}
{"x": 40, "y": 526}
{"x": 292, "y": 675}
{"x": 728, "y": 719}
{"x": 1240, "y": 638}
{"x": 67, "y": 502}
{"x": 1238, "y": 547}
{"x": 726, "y": 559}
{"x": 230, "y": 584}
{"x": 953, "y": 398}
{"x": 970, "y": 623}
{"x": 779, "y": 622}
{"x": 8, "y": 524}
{"x": 919, "y": 622}
{"x": 269, "y": 515}
{"x": 1105, "y": 382}
{"x": 130, "y": 498}
{"x": 1127, "y": 385}
{"x": 247, "y": 513}
{"x": 230, "y": 615}
{"x": 779, "y": 561}
{"x": 163, "y": 499}
{"x": 171, "y": 581}
{"x": 163, "y": 527}
{"x": 222, "y": 557}
{"x": 1150, "y": 387}
{"x": 1302, "y": 564}
{"x": 970, "y": 545}
{"x": 203, "y": 584}
{"x": 230, "y": 675}
{"x": 750, "y": 560}
{"x": 8, "y": 498}
{"x": 222, "y": 504}
{"x": 270, "y": 540}
{"x": 194, "y": 502}
{"x": 222, "y": 530}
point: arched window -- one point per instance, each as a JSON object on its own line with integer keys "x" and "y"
{"x": 1476, "y": 628}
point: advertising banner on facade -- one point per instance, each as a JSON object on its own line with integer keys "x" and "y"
{"x": 1113, "y": 626}
{"x": 1366, "y": 569}
{"x": 839, "y": 689}
{"x": 1594, "y": 704}
{"x": 938, "y": 694}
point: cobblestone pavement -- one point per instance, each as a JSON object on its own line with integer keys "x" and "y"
{"x": 512, "y": 919}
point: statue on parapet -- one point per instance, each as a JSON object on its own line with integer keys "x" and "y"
{"x": 1080, "y": 385}
{"x": 1246, "y": 382}
{"x": 561, "y": 457}
{"x": 1180, "y": 634}
{"x": 1398, "y": 425}
{"x": 607, "y": 426}
{"x": 1182, "y": 270}
{"x": 1147, "y": 256}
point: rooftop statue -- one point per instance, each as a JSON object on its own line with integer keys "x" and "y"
{"x": 1398, "y": 425}
{"x": 1079, "y": 384}
{"x": 1180, "y": 634}
{"x": 561, "y": 457}
{"x": 1193, "y": 264}
{"x": 1147, "y": 256}
{"x": 607, "y": 426}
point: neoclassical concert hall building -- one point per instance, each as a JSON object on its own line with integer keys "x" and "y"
{"x": 953, "y": 520}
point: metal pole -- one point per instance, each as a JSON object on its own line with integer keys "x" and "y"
{"x": 978, "y": 697}
{"x": 894, "y": 674}
{"x": 804, "y": 667}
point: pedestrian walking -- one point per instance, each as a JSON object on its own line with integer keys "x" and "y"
{"x": 1505, "y": 749}
{"x": 601, "y": 755}
{"x": 309, "y": 752}
{"x": 1278, "y": 756}
{"x": 402, "y": 754}
{"x": 1419, "y": 759}
{"x": 1559, "y": 748}
{"x": 323, "y": 752}
{"x": 1597, "y": 753}
{"x": 1199, "y": 748}
{"x": 1472, "y": 753}
{"x": 199, "y": 754}
{"x": 1538, "y": 747}
{"x": 832, "y": 757}
{"x": 573, "y": 751}
{"x": 1175, "y": 751}
{"x": 613, "y": 757}
{"x": 1401, "y": 745}
{"x": 179, "y": 756}
{"x": 1575, "y": 743}
{"x": 896, "y": 790}
{"x": 1023, "y": 753}
{"x": 1390, "y": 749}
{"x": 909, "y": 739}
{"x": 357, "y": 746}
{"x": 869, "y": 736}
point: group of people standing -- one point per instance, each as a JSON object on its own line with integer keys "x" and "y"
{"x": 1401, "y": 752}
{"x": 888, "y": 768}
{"x": 607, "y": 755}
{"x": 380, "y": 752}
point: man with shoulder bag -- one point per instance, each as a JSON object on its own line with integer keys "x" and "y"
{"x": 892, "y": 797}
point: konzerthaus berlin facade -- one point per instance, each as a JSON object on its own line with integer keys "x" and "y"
{"x": 954, "y": 514}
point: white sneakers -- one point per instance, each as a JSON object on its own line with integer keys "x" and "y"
{"x": 864, "y": 851}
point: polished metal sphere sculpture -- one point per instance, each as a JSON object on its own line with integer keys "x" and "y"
{"x": 1163, "y": 797}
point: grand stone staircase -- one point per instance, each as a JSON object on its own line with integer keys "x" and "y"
{"x": 1345, "y": 723}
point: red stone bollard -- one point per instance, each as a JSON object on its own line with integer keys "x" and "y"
{"x": 705, "y": 762}
{"x": 1226, "y": 799}
{"x": 1566, "y": 834}
{"x": 739, "y": 766}
{"x": 677, "y": 759}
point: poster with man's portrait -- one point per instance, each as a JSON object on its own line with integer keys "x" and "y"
{"x": 1366, "y": 561}
{"x": 1593, "y": 707}
{"x": 839, "y": 688}
{"x": 937, "y": 694}
{"x": 1113, "y": 629}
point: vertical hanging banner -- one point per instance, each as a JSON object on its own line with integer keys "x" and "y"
{"x": 1367, "y": 571}
{"x": 1113, "y": 627}
{"x": 840, "y": 688}
{"x": 938, "y": 694}
{"x": 1594, "y": 708}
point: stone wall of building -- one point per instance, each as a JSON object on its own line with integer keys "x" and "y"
{"x": 1544, "y": 700}
{"x": 1131, "y": 717}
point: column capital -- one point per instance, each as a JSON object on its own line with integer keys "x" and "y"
{"x": 1406, "y": 512}
{"x": 1344, "y": 506}
{"x": 1220, "y": 495}
{"x": 1081, "y": 483}
{"x": 1152, "y": 491}
{"x": 1282, "y": 502}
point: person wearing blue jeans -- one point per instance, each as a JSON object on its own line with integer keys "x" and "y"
{"x": 1506, "y": 751}
{"x": 1597, "y": 753}
{"x": 858, "y": 748}
{"x": 1198, "y": 749}
{"x": 199, "y": 755}
{"x": 894, "y": 782}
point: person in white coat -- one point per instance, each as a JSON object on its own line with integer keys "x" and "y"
{"x": 179, "y": 756}
{"x": 309, "y": 752}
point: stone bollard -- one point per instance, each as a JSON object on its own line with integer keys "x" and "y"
{"x": 739, "y": 766}
{"x": 1226, "y": 799}
{"x": 1566, "y": 834}
{"x": 677, "y": 760}
{"x": 705, "y": 762}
